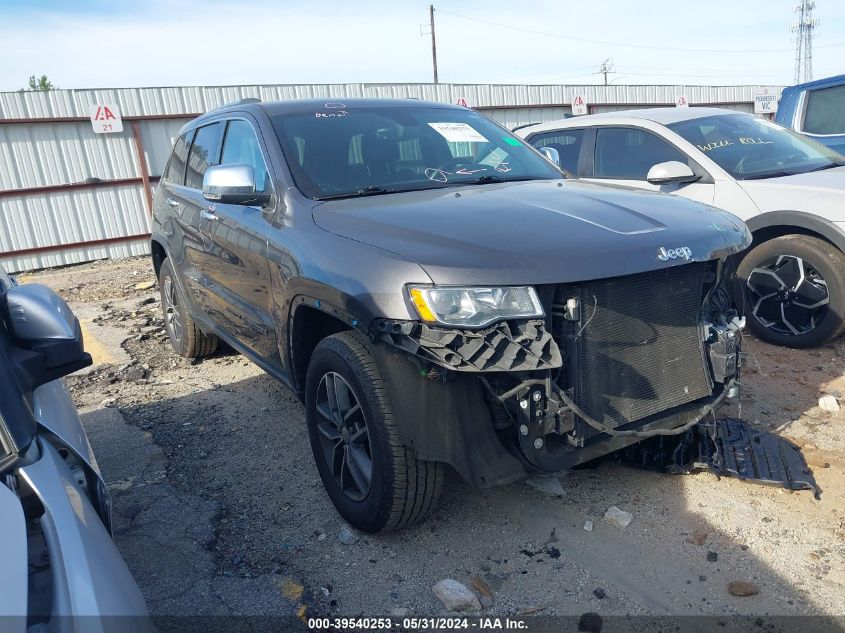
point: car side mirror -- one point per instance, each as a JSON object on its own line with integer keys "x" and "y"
{"x": 551, "y": 154}
{"x": 46, "y": 336}
{"x": 230, "y": 184}
{"x": 672, "y": 171}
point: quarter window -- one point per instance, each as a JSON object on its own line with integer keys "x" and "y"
{"x": 825, "y": 113}
{"x": 241, "y": 148}
{"x": 203, "y": 154}
{"x": 629, "y": 153}
{"x": 566, "y": 142}
{"x": 175, "y": 171}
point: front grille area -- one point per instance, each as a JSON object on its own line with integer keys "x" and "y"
{"x": 639, "y": 352}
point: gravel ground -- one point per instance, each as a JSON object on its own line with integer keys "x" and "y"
{"x": 235, "y": 438}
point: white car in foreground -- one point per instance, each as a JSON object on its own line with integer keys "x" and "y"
{"x": 789, "y": 189}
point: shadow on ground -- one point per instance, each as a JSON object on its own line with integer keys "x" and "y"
{"x": 229, "y": 515}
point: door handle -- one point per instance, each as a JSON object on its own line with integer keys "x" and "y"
{"x": 173, "y": 202}
{"x": 208, "y": 214}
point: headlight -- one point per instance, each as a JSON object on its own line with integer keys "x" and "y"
{"x": 474, "y": 307}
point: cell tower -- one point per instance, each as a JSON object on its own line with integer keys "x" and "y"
{"x": 803, "y": 28}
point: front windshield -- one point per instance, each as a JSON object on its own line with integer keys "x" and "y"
{"x": 749, "y": 147}
{"x": 335, "y": 153}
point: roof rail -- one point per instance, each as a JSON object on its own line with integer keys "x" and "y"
{"x": 519, "y": 127}
{"x": 243, "y": 101}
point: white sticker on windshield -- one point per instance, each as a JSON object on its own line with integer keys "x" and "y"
{"x": 458, "y": 132}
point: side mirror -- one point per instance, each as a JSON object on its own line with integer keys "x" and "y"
{"x": 670, "y": 172}
{"x": 47, "y": 336}
{"x": 230, "y": 184}
{"x": 551, "y": 154}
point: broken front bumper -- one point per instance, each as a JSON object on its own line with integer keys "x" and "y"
{"x": 727, "y": 448}
{"x": 523, "y": 371}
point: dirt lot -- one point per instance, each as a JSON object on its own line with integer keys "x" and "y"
{"x": 234, "y": 441}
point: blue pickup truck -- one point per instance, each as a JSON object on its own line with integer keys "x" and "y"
{"x": 817, "y": 109}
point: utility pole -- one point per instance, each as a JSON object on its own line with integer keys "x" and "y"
{"x": 605, "y": 68}
{"x": 433, "y": 41}
{"x": 803, "y": 28}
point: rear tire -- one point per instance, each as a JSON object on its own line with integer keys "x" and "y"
{"x": 352, "y": 427}
{"x": 792, "y": 289}
{"x": 186, "y": 337}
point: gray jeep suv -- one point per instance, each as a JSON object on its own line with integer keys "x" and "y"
{"x": 439, "y": 294}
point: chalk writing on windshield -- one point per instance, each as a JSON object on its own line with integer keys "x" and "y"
{"x": 743, "y": 140}
{"x": 747, "y": 140}
{"x": 714, "y": 145}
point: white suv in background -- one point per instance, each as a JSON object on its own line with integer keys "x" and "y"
{"x": 789, "y": 189}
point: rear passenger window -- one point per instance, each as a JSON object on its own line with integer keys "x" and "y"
{"x": 241, "y": 148}
{"x": 175, "y": 170}
{"x": 566, "y": 142}
{"x": 825, "y": 113}
{"x": 203, "y": 154}
{"x": 629, "y": 153}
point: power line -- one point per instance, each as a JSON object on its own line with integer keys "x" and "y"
{"x": 623, "y": 44}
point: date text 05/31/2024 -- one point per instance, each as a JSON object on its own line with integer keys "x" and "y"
{"x": 416, "y": 623}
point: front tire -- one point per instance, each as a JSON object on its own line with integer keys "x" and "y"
{"x": 186, "y": 337}
{"x": 792, "y": 289}
{"x": 375, "y": 482}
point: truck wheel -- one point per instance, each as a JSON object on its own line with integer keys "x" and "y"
{"x": 792, "y": 289}
{"x": 186, "y": 337}
{"x": 376, "y": 483}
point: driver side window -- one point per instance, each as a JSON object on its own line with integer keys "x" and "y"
{"x": 629, "y": 153}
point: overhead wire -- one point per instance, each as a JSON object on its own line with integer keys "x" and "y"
{"x": 583, "y": 40}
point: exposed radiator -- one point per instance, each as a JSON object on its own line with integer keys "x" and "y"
{"x": 640, "y": 352}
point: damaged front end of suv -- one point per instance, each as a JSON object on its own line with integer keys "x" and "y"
{"x": 438, "y": 293}
{"x": 590, "y": 368}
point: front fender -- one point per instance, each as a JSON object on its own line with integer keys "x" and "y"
{"x": 90, "y": 577}
{"x": 802, "y": 220}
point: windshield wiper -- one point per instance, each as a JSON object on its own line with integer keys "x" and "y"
{"x": 491, "y": 178}
{"x": 780, "y": 174}
{"x": 483, "y": 180}
{"x": 771, "y": 174}
{"x": 823, "y": 167}
{"x": 370, "y": 190}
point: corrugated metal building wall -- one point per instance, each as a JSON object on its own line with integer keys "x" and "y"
{"x": 68, "y": 195}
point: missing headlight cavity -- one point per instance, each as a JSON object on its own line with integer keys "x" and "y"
{"x": 507, "y": 346}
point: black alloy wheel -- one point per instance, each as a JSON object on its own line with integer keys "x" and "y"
{"x": 792, "y": 290}
{"x": 344, "y": 436}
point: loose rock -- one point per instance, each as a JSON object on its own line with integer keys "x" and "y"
{"x": 482, "y": 589}
{"x": 145, "y": 285}
{"x": 549, "y": 485}
{"x": 599, "y": 593}
{"x": 743, "y": 589}
{"x": 455, "y": 596}
{"x": 618, "y": 517}
{"x": 698, "y": 537}
{"x": 712, "y": 557}
{"x": 829, "y": 403}
{"x": 590, "y": 623}
{"x": 588, "y": 526}
{"x": 347, "y": 536}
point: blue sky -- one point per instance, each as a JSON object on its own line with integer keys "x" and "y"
{"x": 93, "y": 43}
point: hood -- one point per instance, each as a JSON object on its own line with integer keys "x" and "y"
{"x": 819, "y": 192}
{"x": 534, "y": 232}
